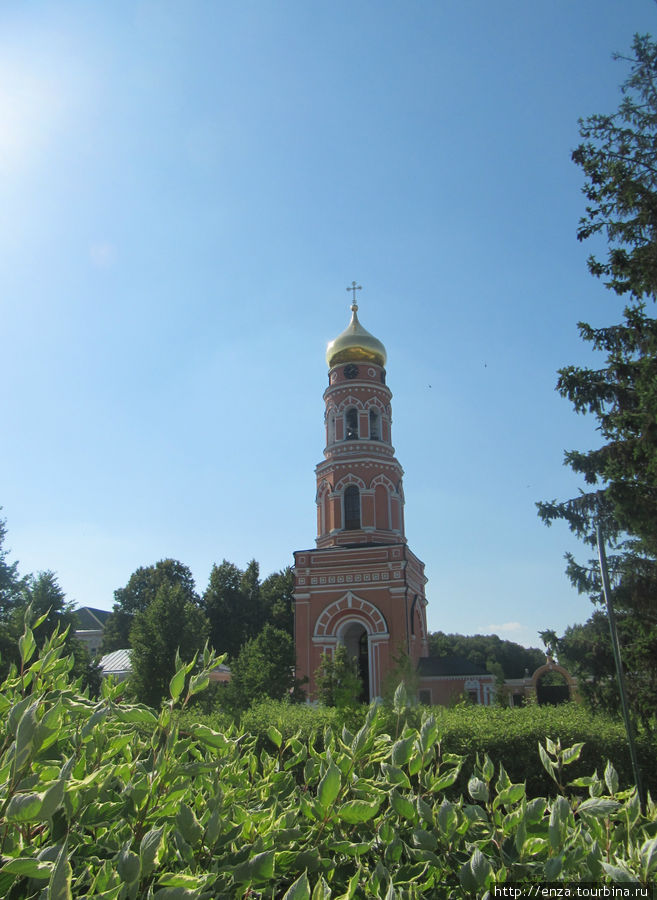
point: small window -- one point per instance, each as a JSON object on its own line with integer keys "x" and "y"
{"x": 352, "y": 508}
{"x": 473, "y": 697}
{"x": 351, "y": 424}
{"x": 375, "y": 431}
{"x": 425, "y": 698}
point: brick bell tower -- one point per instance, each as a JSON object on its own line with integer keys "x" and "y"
{"x": 362, "y": 586}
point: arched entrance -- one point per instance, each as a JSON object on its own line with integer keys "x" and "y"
{"x": 363, "y": 630}
{"x": 355, "y": 640}
{"x": 553, "y": 685}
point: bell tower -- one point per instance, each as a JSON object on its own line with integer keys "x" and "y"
{"x": 361, "y": 586}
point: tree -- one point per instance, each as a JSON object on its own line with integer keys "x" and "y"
{"x": 139, "y": 593}
{"x": 337, "y": 679}
{"x": 488, "y": 651}
{"x": 11, "y": 587}
{"x": 403, "y": 671}
{"x": 263, "y": 668}
{"x": 618, "y": 156}
{"x": 233, "y": 605}
{"x": 172, "y": 622}
{"x": 277, "y": 600}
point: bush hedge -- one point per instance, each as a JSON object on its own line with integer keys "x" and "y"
{"x": 110, "y": 800}
{"x": 508, "y": 735}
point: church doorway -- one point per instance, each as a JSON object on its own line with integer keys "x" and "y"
{"x": 356, "y": 642}
{"x": 551, "y": 689}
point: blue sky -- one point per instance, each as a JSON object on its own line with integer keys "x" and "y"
{"x": 186, "y": 189}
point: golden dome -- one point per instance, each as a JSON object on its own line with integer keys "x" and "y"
{"x": 355, "y": 344}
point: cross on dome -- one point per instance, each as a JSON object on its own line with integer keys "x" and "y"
{"x": 354, "y": 287}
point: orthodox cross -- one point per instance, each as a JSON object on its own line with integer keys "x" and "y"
{"x": 355, "y": 287}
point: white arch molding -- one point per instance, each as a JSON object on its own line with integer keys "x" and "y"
{"x": 334, "y": 621}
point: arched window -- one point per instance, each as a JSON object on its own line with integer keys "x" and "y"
{"x": 375, "y": 431}
{"x": 351, "y": 508}
{"x": 351, "y": 424}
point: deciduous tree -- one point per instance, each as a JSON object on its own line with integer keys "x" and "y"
{"x": 139, "y": 592}
{"x": 171, "y": 622}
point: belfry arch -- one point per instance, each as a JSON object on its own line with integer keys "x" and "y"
{"x": 362, "y": 629}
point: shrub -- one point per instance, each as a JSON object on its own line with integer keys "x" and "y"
{"x": 111, "y": 800}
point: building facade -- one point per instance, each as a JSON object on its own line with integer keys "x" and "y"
{"x": 361, "y": 585}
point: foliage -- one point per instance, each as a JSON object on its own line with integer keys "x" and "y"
{"x": 337, "y": 680}
{"x": 138, "y": 594}
{"x": 307, "y": 723}
{"x": 277, "y": 600}
{"x": 619, "y": 162}
{"x": 11, "y": 589}
{"x": 403, "y": 671}
{"x": 112, "y": 800}
{"x": 486, "y": 650}
{"x": 264, "y": 668}
{"x": 171, "y": 624}
{"x": 11, "y": 583}
{"x": 238, "y": 605}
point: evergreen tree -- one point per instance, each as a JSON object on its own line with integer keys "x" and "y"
{"x": 172, "y": 622}
{"x": 618, "y": 156}
{"x": 11, "y": 588}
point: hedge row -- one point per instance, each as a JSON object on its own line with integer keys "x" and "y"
{"x": 510, "y": 736}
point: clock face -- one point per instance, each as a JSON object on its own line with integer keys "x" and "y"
{"x": 350, "y": 371}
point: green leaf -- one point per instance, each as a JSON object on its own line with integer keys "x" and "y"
{"x": 59, "y": 887}
{"x": 619, "y": 874}
{"x": 535, "y": 810}
{"x": 611, "y": 778}
{"x": 598, "y": 807}
{"x": 558, "y": 818}
{"x": 648, "y": 858}
{"x": 259, "y": 868}
{"x": 478, "y": 789}
{"x": 355, "y": 811}
{"x": 138, "y": 715}
{"x": 300, "y": 890}
{"x": 329, "y": 786}
{"x": 553, "y": 867}
{"x": 548, "y": 765}
{"x": 26, "y": 645}
{"x": 148, "y": 850}
{"x": 424, "y": 839}
{"x": 571, "y": 754}
{"x": 447, "y": 819}
{"x": 29, "y": 868}
{"x": 177, "y": 683}
{"x": 198, "y": 683}
{"x": 189, "y": 825}
{"x": 128, "y": 866}
{"x": 25, "y": 807}
{"x": 209, "y": 737}
{"x": 275, "y": 736}
{"x": 428, "y": 733}
{"x": 510, "y": 795}
{"x": 475, "y": 874}
{"x": 402, "y": 750}
{"x": 322, "y": 891}
{"x": 402, "y": 806}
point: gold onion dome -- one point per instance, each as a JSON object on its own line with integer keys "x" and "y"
{"x": 355, "y": 344}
